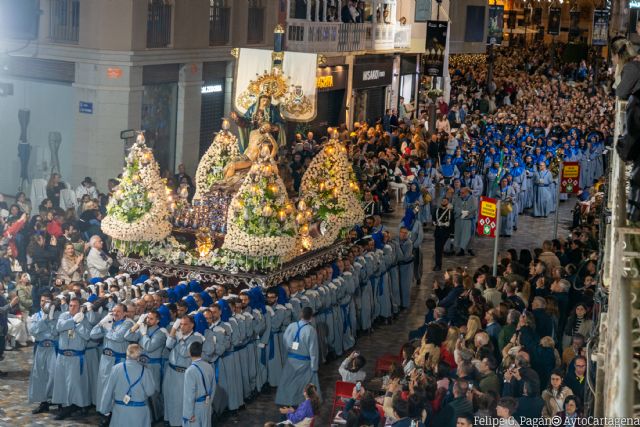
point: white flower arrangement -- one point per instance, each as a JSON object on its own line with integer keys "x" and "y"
{"x": 329, "y": 188}
{"x": 223, "y": 149}
{"x": 260, "y": 218}
{"x": 138, "y": 211}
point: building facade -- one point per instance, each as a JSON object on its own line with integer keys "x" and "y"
{"x": 97, "y": 68}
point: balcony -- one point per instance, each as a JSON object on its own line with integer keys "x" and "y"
{"x": 159, "y": 24}
{"x": 402, "y": 37}
{"x": 327, "y": 37}
{"x": 219, "y": 18}
{"x": 336, "y": 37}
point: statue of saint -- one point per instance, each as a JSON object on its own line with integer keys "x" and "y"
{"x": 261, "y": 120}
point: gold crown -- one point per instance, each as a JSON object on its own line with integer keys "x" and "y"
{"x": 269, "y": 84}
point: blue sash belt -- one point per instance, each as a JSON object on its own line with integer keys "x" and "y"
{"x": 74, "y": 353}
{"x": 114, "y": 354}
{"x": 201, "y": 399}
{"x": 46, "y": 344}
{"x": 178, "y": 369}
{"x": 216, "y": 367}
{"x": 297, "y": 356}
{"x": 131, "y": 403}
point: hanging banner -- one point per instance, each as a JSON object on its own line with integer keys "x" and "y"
{"x": 423, "y": 11}
{"x": 574, "y": 24}
{"x": 553, "y": 25}
{"x": 600, "y": 33}
{"x": 496, "y": 23}
{"x": 487, "y": 217}
{"x": 511, "y": 20}
{"x": 537, "y": 16}
{"x": 570, "y": 178}
{"x": 436, "y": 46}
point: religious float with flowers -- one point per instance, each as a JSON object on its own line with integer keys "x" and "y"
{"x": 244, "y": 225}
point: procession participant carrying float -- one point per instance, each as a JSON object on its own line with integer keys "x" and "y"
{"x": 243, "y": 226}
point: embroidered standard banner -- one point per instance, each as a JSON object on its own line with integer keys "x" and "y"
{"x": 496, "y": 24}
{"x": 487, "y": 217}
{"x": 293, "y": 89}
{"x": 553, "y": 25}
{"x": 600, "y": 33}
{"x": 436, "y": 48}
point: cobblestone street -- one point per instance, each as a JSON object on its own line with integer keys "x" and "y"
{"x": 15, "y": 410}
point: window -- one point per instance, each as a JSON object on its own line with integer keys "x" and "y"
{"x": 159, "y": 23}
{"x": 219, "y": 15}
{"x": 64, "y": 20}
{"x": 255, "y": 28}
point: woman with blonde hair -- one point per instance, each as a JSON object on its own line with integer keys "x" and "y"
{"x": 474, "y": 325}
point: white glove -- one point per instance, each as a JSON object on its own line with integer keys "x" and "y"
{"x": 88, "y": 306}
{"x": 52, "y": 308}
{"x": 465, "y": 214}
{"x": 176, "y": 325}
{"x": 79, "y": 317}
{"x": 261, "y": 345}
{"x": 106, "y": 320}
{"x": 142, "y": 319}
{"x": 143, "y": 329}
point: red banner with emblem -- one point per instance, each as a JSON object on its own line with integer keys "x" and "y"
{"x": 487, "y": 217}
{"x": 570, "y": 178}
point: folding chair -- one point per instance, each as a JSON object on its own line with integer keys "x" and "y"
{"x": 343, "y": 389}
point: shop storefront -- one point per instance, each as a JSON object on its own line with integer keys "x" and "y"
{"x": 371, "y": 79}
{"x": 409, "y": 77}
{"x": 159, "y": 111}
{"x": 332, "y": 84}
{"x": 212, "y": 106}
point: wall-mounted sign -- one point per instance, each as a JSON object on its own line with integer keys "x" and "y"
{"x": 211, "y": 89}
{"x": 86, "y": 107}
{"x": 324, "y": 82}
{"x": 373, "y": 74}
{"x": 114, "y": 72}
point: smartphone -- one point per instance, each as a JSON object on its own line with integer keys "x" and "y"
{"x": 358, "y": 386}
{"x": 470, "y": 386}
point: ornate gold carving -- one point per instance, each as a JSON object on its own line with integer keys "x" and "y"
{"x": 235, "y": 52}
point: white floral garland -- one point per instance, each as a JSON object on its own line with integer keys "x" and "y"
{"x": 154, "y": 225}
{"x": 213, "y": 162}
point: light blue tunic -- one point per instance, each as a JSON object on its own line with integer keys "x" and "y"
{"x": 464, "y": 227}
{"x": 543, "y": 198}
{"x": 93, "y": 353}
{"x": 153, "y": 343}
{"x": 132, "y": 379}
{"x": 347, "y": 314}
{"x": 173, "y": 384}
{"x": 235, "y": 389}
{"x": 199, "y": 390}
{"x": 301, "y": 367}
{"x": 506, "y": 222}
{"x": 115, "y": 342}
{"x": 274, "y": 345}
{"x": 216, "y": 350}
{"x": 405, "y": 268}
{"x": 394, "y": 278}
{"x": 45, "y": 335}
{"x": 71, "y": 382}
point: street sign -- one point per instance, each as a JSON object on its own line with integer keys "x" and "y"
{"x": 487, "y": 217}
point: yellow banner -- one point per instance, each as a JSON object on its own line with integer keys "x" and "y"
{"x": 571, "y": 171}
{"x": 488, "y": 209}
